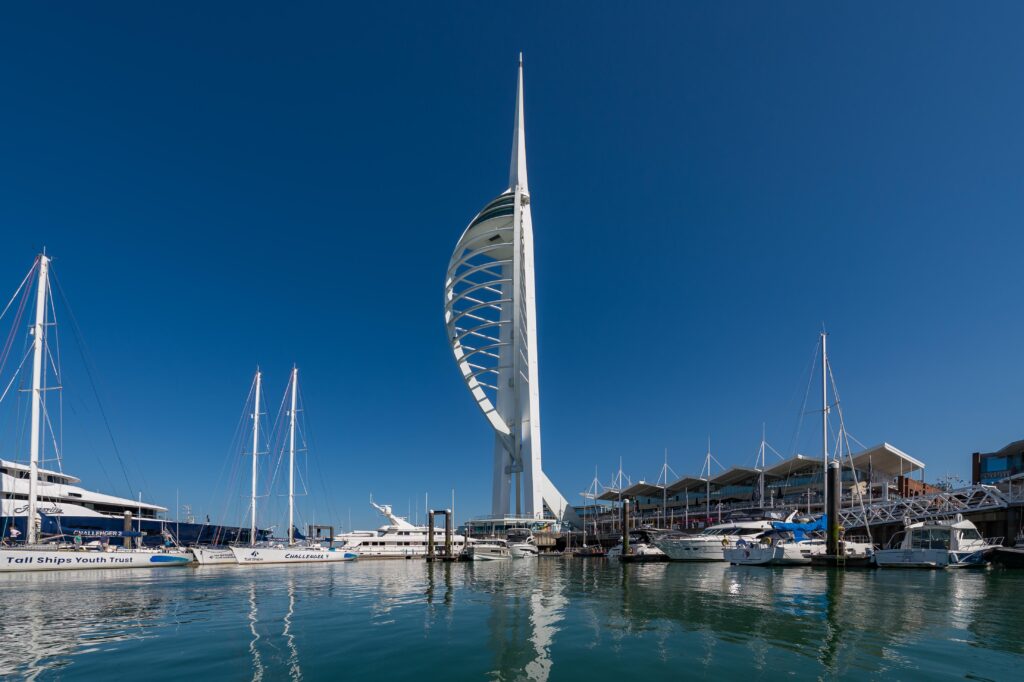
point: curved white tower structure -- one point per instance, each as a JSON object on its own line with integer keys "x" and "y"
{"x": 491, "y": 319}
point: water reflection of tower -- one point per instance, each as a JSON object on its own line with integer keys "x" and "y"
{"x": 527, "y": 605}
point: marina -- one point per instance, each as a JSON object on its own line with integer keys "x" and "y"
{"x": 767, "y": 267}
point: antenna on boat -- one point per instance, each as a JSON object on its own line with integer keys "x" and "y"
{"x": 38, "y": 335}
{"x": 255, "y": 452}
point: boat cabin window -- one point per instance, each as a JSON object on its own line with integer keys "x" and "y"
{"x": 970, "y": 534}
{"x": 929, "y": 538}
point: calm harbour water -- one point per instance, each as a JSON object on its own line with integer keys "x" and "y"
{"x": 556, "y": 619}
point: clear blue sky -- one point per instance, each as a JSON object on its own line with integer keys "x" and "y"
{"x": 267, "y": 183}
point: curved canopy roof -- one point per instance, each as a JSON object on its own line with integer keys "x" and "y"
{"x": 790, "y": 466}
{"x": 888, "y": 460}
{"x": 687, "y": 483}
{"x": 643, "y": 489}
{"x": 735, "y": 475}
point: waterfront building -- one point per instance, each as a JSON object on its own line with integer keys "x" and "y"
{"x": 879, "y": 474}
{"x": 992, "y": 467}
{"x": 491, "y": 322}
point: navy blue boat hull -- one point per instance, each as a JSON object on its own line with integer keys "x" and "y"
{"x": 99, "y": 528}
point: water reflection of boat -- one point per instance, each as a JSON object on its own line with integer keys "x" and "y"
{"x": 41, "y": 631}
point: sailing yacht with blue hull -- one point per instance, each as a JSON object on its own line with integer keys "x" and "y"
{"x": 37, "y": 486}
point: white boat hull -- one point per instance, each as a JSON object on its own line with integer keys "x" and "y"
{"x": 636, "y": 549}
{"x": 789, "y": 554}
{"x": 74, "y": 559}
{"x": 290, "y": 555}
{"x": 692, "y": 549}
{"x": 489, "y": 553}
{"x": 206, "y": 556}
{"x": 752, "y": 555}
{"x": 522, "y": 551}
{"x": 929, "y": 558}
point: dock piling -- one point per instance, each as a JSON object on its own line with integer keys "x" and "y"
{"x": 833, "y": 494}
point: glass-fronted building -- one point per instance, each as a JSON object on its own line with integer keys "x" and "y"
{"x": 992, "y": 467}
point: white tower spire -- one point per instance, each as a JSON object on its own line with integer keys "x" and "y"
{"x": 491, "y": 319}
{"x": 517, "y": 169}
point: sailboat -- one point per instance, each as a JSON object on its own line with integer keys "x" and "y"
{"x": 57, "y": 552}
{"x": 293, "y": 552}
{"x": 212, "y": 554}
{"x": 591, "y": 551}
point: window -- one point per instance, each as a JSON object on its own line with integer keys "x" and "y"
{"x": 989, "y": 464}
{"x": 929, "y": 538}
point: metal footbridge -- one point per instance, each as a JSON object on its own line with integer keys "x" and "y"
{"x": 975, "y": 498}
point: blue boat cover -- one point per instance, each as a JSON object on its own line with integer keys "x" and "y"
{"x": 800, "y": 530}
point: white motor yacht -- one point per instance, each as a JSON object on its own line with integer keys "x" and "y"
{"x": 397, "y": 539}
{"x": 642, "y": 547}
{"x": 490, "y": 549}
{"x": 521, "y": 543}
{"x": 790, "y": 544}
{"x": 710, "y": 542}
{"x": 945, "y": 543}
{"x": 774, "y": 549}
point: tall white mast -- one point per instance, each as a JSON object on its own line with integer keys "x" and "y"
{"x": 291, "y": 461}
{"x": 760, "y": 477}
{"x": 255, "y": 452}
{"x": 38, "y": 334}
{"x": 824, "y": 421}
{"x": 707, "y": 489}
